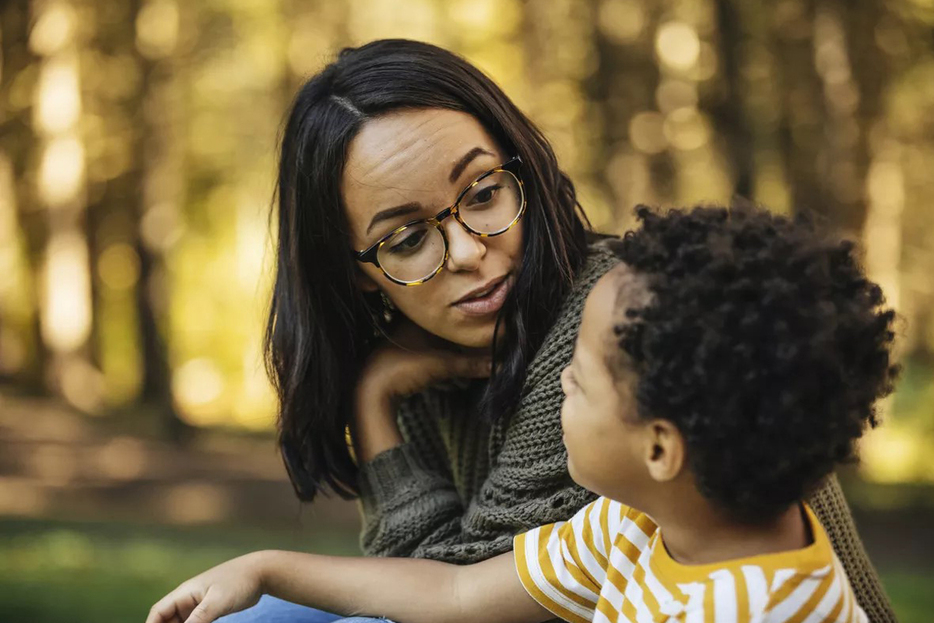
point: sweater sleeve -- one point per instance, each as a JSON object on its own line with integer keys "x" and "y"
{"x": 408, "y": 495}
{"x": 405, "y": 504}
{"x": 831, "y": 508}
{"x": 412, "y": 508}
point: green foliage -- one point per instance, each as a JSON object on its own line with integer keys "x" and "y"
{"x": 69, "y": 572}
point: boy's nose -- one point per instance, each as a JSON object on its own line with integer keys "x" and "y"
{"x": 564, "y": 379}
{"x": 465, "y": 251}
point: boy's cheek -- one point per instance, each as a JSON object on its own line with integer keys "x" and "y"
{"x": 566, "y": 410}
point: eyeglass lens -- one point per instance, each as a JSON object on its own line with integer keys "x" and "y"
{"x": 489, "y": 207}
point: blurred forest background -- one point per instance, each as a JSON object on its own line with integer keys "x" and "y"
{"x": 137, "y": 157}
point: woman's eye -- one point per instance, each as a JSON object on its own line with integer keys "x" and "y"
{"x": 485, "y": 195}
{"x": 409, "y": 243}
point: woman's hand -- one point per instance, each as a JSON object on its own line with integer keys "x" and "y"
{"x": 229, "y": 587}
{"x": 411, "y": 360}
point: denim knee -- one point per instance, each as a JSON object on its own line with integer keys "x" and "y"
{"x": 273, "y": 610}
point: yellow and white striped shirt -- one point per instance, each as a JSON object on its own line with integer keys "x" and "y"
{"x": 608, "y": 563}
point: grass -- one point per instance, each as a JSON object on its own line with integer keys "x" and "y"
{"x": 911, "y": 594}
{"x": 58, "y": 572}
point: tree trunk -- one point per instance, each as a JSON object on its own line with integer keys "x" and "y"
{"x": 19, "y": 141}
{"x": 124, "y": 201}
{"x": 623, "y": 85}
{"x": 729, "y": 114}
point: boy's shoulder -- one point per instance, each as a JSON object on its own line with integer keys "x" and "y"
{"x": 807, "y": 583}
{"x": 616, "y": 555}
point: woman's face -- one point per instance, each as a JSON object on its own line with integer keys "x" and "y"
{"x": 409, "y": 165}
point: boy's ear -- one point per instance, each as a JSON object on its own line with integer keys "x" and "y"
{"x": 664, "y": 450}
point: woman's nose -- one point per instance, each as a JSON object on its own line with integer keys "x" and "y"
{"x": 465, "y": 251}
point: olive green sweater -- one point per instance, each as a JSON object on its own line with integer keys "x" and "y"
{"x": 459, "y": 489}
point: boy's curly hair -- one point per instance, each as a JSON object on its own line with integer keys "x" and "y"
{"x": 764, "y": 343}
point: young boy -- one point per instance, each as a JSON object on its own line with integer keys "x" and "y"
{"x": 721, "y": 370}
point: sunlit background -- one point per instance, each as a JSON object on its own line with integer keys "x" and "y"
{"x": 137, "y": 159}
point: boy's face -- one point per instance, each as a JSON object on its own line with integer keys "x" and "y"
{"x": 602, "y": 432}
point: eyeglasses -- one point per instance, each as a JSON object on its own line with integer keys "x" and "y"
{"x": 415, "y": 252}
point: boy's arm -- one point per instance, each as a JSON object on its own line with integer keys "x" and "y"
{"x": 398, "y": 588}
{"x": 405, "y": 589}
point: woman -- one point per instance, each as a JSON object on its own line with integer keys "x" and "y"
{"x": 432, "y": 267}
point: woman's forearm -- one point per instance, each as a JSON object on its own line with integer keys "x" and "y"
{"x": 375, "y": 429}
{"x": 402, "y": 589}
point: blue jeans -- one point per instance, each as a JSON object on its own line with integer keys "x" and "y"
{"x": 272, "y": 610}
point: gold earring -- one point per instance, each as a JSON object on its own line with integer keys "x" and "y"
{"x": 388, "y": 307}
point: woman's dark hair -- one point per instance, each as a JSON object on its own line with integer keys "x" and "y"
{"x": 321, "y": 326}
{"x": 764, "y": 343}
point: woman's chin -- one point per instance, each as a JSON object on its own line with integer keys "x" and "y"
{"x": 473, "y": 337}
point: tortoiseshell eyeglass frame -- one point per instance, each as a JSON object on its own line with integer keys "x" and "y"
{"x": 370, "y": 254}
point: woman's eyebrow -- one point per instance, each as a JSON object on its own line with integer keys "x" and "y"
{"x": 388, "y": 213}
{"x": 412, "y": 207}
{"x": 467, "y": 159}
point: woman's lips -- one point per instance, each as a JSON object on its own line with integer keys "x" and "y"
{"x": 489, "y": 303}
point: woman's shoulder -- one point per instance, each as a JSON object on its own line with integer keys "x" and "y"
{"x": 599, "y": 260}
{"x": 601, "y": 257}
{"x": 559, "y": 343}
{"x": 602, "y": 245}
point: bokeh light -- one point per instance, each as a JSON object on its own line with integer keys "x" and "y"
{"x": 678, "y": 45}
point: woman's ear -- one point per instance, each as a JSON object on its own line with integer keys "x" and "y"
{"x": 365, "y": 282}
{"x": 664, "y": 451}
